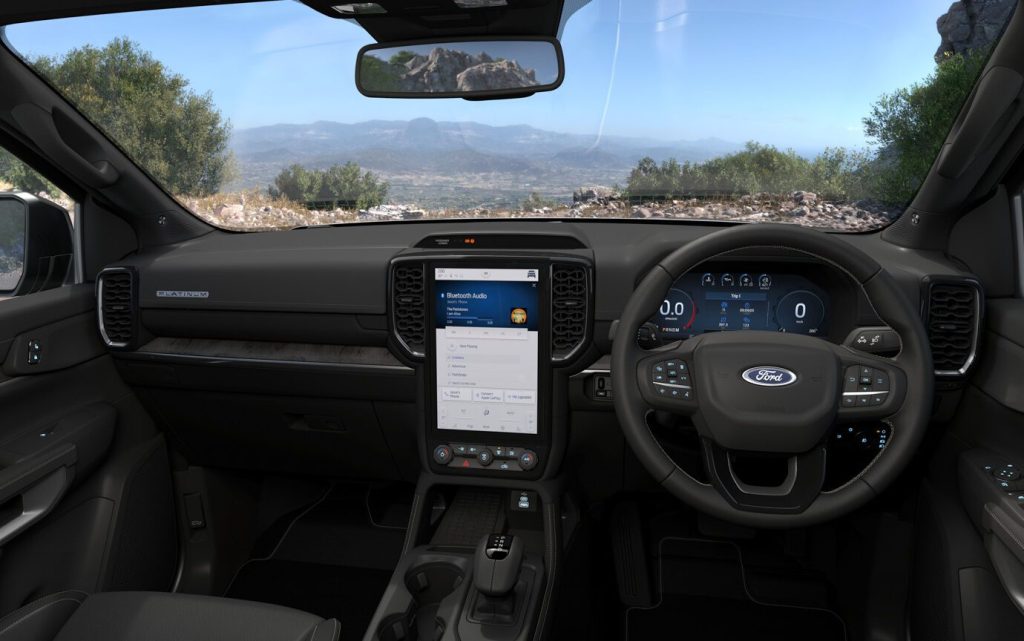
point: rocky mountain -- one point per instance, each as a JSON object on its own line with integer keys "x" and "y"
{"x": 329, "y": 142}
{"x": 972, "y": 24}
{"x": 446, "y": 70}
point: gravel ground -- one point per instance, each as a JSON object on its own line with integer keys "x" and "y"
{"x": 803, "y": 208}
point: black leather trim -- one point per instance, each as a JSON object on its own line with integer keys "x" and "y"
{"x": 41, "y": 619}
{"x": 158, "y": 616}
{"x": 329, "y": 630}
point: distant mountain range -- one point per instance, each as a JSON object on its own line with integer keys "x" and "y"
{"x": 413, "y": 152}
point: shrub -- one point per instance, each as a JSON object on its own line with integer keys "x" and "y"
{"x": 910, "y": 124}
{"x": 345, "y": 185}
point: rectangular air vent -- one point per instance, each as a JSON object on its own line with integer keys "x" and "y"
{"x": 953, "y": 321}
{"x": 117, "y": 306}
{"x": 408, "y": 307}
{"x": 570, "y": 291}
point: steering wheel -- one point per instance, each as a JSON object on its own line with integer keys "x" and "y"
{"x": 770, "y": 392}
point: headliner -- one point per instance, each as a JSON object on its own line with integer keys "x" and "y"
{"x": 405, "y": 20}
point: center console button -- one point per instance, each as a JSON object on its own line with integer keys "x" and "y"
{"x": 485, "y": 456}
{"x": 442, "y": 455}
{"x": 527, "y": 460}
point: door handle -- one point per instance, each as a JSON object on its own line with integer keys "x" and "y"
{"x": 38, "y": 482}
{"x": 42, "y": 127}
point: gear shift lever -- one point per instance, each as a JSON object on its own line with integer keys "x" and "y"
{"x": 496, "y": 568}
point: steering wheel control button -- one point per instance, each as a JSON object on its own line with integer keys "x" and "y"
{"x": 864, "y": 386}
{"x": 874, "y": 340}
{"x": 442, "y": 455}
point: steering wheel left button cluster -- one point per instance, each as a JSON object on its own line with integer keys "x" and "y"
{"x": 671, "y": 379}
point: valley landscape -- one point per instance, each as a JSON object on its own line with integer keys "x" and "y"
{"x": 456, "y": 165}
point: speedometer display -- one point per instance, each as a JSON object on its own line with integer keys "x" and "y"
{"x": 741, "y": 300}
{"x": 677, "y": 313}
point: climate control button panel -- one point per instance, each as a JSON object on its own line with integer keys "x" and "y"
{"x": 499, "y": 458}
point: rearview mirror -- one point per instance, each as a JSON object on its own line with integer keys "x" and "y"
{"x": 35, "y": 244}
{"x": 499, "y": 67}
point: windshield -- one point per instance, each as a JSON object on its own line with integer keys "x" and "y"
{"x": 825, "y": 114}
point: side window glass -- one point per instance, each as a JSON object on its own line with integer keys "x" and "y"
{"x": 36, "y": 220}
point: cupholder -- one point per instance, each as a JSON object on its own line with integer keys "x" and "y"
{"x": 428, "y": 585}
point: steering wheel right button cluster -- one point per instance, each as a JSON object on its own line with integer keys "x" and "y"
{"x": 865, "y": 386}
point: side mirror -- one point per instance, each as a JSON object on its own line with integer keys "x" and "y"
{"x": 35, "y": 244}
{"x": 472, "y": 69}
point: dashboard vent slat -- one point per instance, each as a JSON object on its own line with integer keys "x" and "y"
{"x": 570, "y": 291}
{"x": 408, "y": 305}
{"x": 952, "y": 321}
{"x": 117, "y": 307}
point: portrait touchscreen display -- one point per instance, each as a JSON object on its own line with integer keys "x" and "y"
{"x": 486, "y": 329}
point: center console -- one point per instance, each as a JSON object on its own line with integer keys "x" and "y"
{"x": 492, "y": 330}
{"x": 488, "y": 364}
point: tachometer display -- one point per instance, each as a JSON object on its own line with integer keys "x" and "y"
{"x": 800, "y": 311}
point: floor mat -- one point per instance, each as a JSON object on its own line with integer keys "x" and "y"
{"x": 694, "y": 618}
{"x": 705, "y": 595}
{"x": 333, "y": 559}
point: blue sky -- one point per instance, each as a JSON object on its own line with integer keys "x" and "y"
{"x": 794, "y": 73}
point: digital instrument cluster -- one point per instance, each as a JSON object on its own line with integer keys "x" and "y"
{"x": 720, "y": 301}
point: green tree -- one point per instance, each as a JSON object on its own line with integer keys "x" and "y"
{"x": 176, "y": 134}
{"x": 910, "y": 124}
{"x": 346, "y": 184}
{"x": 380, "y": 75}
{"x": 536, "y": 201}
{"x": 21, "y": 177}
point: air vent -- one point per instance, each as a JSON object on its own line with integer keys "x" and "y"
{"x": 953, "y": 318}
{"x": 116, "y": 293}
{"x": 570, "y": 289}
{"x": 408, "y": 311}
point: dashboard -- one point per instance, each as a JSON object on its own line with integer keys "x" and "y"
{"x": 347, "y": 341}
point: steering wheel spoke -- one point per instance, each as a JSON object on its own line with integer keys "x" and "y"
{"x": 666, "y": 380}
{"x": 873, "y": 387}
{"x": 805, "y": 476}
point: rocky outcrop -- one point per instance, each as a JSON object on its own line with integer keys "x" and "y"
{"x": 444, "y": 70}
{"x": 594, "y": 194}
{"x": 970, "y": 25}
{"x": 501, "y": 74}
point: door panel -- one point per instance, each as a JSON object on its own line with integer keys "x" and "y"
{"x": 976, "y": 565}
{"x": 85, "y": 495}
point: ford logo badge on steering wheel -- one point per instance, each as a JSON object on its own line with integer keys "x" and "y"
{"x": 769, "y": 376}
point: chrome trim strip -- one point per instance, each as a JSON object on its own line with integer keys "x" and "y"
{"x": 79, "y": 261}
{"x": 391, "y": 304}
{"x": 1018, "y": 229}
{"x": 232, "y": 360}
{"x": 99, "y": 303}
{"x": 673, "y": 386}
{"x": 865, "y": 393}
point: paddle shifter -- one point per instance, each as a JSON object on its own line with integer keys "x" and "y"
{"x": 496, "y": 569}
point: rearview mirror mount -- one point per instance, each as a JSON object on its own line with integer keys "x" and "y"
{"x": 473, "y": 69}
